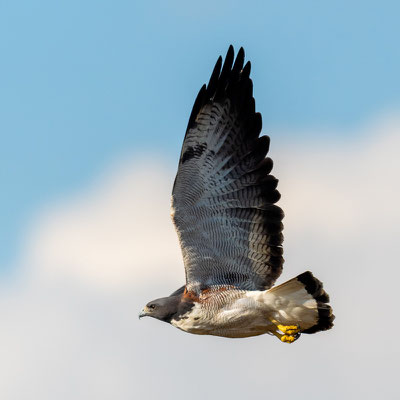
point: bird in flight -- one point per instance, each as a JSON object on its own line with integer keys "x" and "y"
{"x": 229, "y": 227}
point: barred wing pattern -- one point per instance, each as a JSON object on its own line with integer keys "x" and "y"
{"x": 223, "y": 197}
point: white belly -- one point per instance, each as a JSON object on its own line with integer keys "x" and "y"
{"x": 242, "y": 317}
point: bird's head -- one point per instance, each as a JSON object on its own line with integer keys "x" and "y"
{"x": 163, "y": 309}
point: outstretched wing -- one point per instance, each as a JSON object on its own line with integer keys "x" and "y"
{"x": 223, "y": 197}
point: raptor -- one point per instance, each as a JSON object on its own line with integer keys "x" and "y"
{"x": 229, "y": 227}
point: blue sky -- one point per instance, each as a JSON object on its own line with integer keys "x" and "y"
{"x": 86, "y": 83}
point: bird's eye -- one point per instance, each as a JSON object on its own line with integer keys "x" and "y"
{"x": 152, "y": 306}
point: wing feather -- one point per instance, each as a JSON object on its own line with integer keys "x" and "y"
{"x": 223, "y": 198}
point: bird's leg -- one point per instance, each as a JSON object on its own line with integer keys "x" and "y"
{"x": 289, "y": 334}
{"x": 286, "y": 329}
{"x": 286, "y": 338}
{"x": 289, "y": 329}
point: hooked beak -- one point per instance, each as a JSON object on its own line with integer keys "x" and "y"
{"x": 142, "y": 313}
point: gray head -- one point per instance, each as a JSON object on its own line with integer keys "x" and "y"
{"x": 163, "y": 309}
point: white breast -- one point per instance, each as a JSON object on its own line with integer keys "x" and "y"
{"x": 241, "y": 317}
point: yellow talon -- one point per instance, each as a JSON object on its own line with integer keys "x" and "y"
{"x": 287, "y": 338}
{"x": 289, "y": 334}
{"x": 288, "y": 329}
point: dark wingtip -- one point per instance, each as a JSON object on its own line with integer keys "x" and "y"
{"x": 246, "y": 70}
{"x": 197, "y": 105}
{"x": 212, "y": 83}
{"x": 238, "y": 65}
{"x": 225, "y": 72}
{"x": 230, "y": 55}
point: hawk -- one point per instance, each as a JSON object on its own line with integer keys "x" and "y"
{"x": 229, "y": 227}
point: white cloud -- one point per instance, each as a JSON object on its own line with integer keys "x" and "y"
{"x": 71, "y": 329}
{"x": 114, "y": 234}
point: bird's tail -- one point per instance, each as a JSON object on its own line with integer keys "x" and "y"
{"x": 302, "y": 301}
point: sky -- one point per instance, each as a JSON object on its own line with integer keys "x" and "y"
{"x": 94, "y": 101}
{"x": 86, "y": 83}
